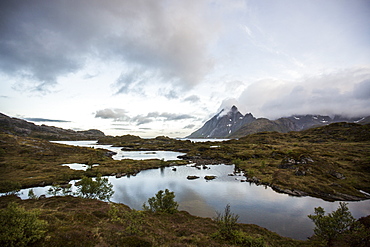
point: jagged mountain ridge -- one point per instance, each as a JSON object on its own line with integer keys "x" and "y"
{"x": 235, "y": 125}
{"x": 21, "y": 127}
{"x": 222, "y": 125}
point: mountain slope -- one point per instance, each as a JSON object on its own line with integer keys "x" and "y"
{"x": 21, "y": 127}
{"x": 222, "y": 125}
{"x": 282, "y": 125}
{"x": 234, "y": 125}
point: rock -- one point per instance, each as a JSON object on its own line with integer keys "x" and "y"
{"x": 209, "y": 177}
{"x": 289, "y": 192}
{"x": 192, "y": 177}
{"x": 174, "y": 169}
{"x": 42, "y": 197}
{"x": 289, "y": 163}
{"x": 337, "y": 175}
{"x": 299, "y": 172}
{"x": 253, "y": 180}
{"x": 110, "y": 154}
{"x": 230, "y": 174}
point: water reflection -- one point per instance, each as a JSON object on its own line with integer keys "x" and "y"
{"x": 135, "y": 155}
{"x": 259, "y": 205}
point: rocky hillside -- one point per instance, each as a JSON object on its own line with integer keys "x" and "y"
{"x": 223, "y": 125}
{"x": 21, "y": 127}
{"x": 235, "y": 125}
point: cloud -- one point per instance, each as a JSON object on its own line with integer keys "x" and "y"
{"x": 116, "y": 114}
{"x": 46, "y": 120}
{"x": 345, "y": 92}
{"x": 192, "y": 98}
{"x": 43, "y": 41}
{"x": 189, "y": 126}
{"x": 121, "y": 115}
{"x": 156, "y": 116}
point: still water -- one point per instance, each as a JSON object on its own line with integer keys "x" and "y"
{"x": 135, "y": 155}
{"x": 260, "y": 205}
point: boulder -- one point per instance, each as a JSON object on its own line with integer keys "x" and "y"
{"x": 337, "y": 175}
{"x": 209, "y": 177}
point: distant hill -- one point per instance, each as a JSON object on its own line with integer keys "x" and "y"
{"x": 21, "y": 127}
{"x": 233, "y": 124}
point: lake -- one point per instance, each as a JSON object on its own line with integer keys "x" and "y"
{"x": 135, "y": 155}
{"x": 260, "y": 205}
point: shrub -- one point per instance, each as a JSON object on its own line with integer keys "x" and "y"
{"x": 329, "y": 227}
{"x": 19, "y": 227}
{"x": 9, "y": 187}
{"x": 162, "y": 202}
{"x": 226, "y": 223}
{"x": 32, "y": 195}
{"x": 240, "y": 238}
{"x": 99, "y": 189}
{"x": 132, "y": 218}
{"x": 227, "y": 230}
{"x": 60, "y": 190}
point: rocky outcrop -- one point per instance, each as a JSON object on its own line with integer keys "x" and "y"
{"x": 223, "y": 124}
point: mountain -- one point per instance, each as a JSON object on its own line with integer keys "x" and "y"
{"x": 223, "y": 124}
{"x": 21, "y": 127}
{"x": 282, "y": 125}
{"x": 234, "y": 125}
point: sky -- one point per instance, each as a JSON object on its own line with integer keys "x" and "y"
{"x": 164, "y": 67}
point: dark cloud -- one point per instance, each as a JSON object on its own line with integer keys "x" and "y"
{"x": 46, "y": 120}
{"x": 44, "y": 40}
{"x": 345, "y": 92}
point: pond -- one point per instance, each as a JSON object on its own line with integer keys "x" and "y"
{"x": 135, "y": 155}
{"x": 283, "y": 214}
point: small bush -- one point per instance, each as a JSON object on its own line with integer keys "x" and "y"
{"x": 227, "y": 230}
{"x": 243, "y": 239}
{"x": 132, "y": 218}
{"x": 162, "y": 202}
{"x": 60, "y": 190}
{"x": 99, "y": 189}
{"x": 9, "y": 187}
{"x": 19, "y": 227}
{"x": 32, "y": 195}
{"x": 226, "y": 223}
{"x": 329, "y": 227}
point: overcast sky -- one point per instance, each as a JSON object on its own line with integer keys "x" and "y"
{"x": 164, "y": 67}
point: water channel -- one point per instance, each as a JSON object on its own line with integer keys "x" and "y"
{"x": 260, "y": 205}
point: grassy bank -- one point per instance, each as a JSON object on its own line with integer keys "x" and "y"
{"x": 27, "y": 162}
{"x": 75, "y": 221}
